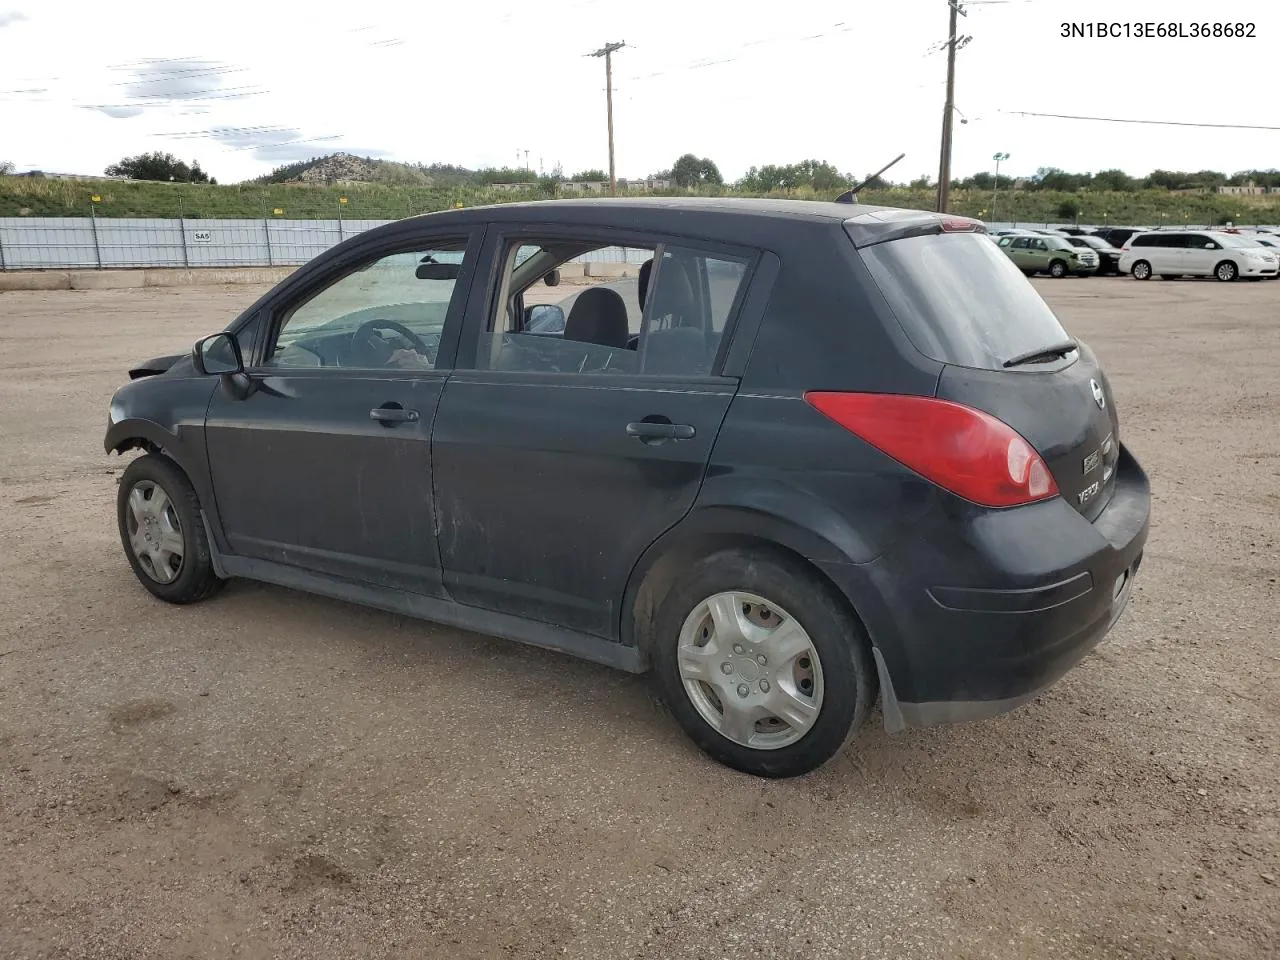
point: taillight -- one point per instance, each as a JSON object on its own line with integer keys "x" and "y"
{"x": 966, "y": 451}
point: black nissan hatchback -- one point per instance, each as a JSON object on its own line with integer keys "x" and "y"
{"x": 786, "y": 455}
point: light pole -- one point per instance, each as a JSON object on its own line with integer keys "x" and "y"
{"x": 996, "y": 189}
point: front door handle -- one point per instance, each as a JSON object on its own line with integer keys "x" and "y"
{"x": 388, "y": 416}
{"x": 647, "y": 431}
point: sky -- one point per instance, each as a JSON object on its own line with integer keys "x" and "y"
{"x": 245, "y": 86}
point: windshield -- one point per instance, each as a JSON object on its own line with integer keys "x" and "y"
{"x": 961, "y": 300}
{"x": 1234, "y": 240}
{"x": 1096, "y": 242}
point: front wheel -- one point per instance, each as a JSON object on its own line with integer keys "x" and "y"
{"x": 1226, "y": 271}
{"x": 1142, "y": 270}
{"x": 1058, "y": 269}
{"x": 162, "y": 531}
{"x": 762, "y": 665}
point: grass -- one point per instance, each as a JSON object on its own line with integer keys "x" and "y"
{"x": 63, "y": 198}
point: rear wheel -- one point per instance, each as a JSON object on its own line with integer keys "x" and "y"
{"x": 1141, "y": 270}
{"x": 762, "y": 665}
{"x": 1058, "y": 269}
{"x": 162, "y": 531}
{"x": 1226, "y": 271}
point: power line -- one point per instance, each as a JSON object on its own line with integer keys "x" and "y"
{"x": 723, "y": 57}
{"x": 1161, "y": 123}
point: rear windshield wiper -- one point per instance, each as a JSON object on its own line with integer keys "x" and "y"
{"x": 1043, "y": 353}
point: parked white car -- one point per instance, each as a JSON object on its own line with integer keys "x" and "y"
{"x": 1196, "y": 253}
{"x": 1269, "y": 240}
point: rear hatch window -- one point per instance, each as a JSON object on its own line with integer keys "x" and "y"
{"x": 961, "y": 300}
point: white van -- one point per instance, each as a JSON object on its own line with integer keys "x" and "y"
{"x": 1199, "y": 253}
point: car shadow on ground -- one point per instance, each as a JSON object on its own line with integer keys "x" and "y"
{"x": 620, "y": 708}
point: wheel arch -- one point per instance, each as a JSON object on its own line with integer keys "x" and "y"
{"x": 136, "y": 433}
{"x": 709, "y": 530}
{"x": 186, "y": 453}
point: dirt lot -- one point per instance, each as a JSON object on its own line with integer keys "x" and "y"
{"x": 275, "y": 775}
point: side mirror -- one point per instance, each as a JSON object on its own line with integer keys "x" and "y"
{"x": 1211, "y": 246}
{"x": 544, "y": 318}
{"x": 552, "y": 279}
{"x": 218, "y": 355}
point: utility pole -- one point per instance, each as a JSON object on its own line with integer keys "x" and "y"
{"x": 944, "y": 164}
{"x": 607, "y": 51}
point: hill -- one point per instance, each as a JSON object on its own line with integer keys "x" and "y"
{"x": 299, "y": 196}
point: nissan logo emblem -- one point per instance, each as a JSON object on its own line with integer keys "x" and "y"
{"x": 1099, "y": 397}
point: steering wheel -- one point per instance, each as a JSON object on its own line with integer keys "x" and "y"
{"x": 367, "y": 340}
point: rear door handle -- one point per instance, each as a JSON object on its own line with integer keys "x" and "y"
{"x": 645, "y": 430}
{"x": 390, "y": 415}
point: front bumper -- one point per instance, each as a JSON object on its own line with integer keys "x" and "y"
{"x": 1256, "y": 269}
{"x": 984, "y": 609}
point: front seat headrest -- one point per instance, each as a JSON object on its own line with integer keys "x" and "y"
{"x": 674, "y": 295}
{"x": 598, "y": 315}
{"x": 646, "y": 269}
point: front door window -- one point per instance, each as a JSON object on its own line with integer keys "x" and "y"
{"x": 386, "y": 314}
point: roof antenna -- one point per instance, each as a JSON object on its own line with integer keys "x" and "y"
{"x": 851, "y": 196}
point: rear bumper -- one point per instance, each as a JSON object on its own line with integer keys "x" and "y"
{"x": 983, "y": 610}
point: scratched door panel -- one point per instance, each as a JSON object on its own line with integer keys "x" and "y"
{"x": 304, "y": 475}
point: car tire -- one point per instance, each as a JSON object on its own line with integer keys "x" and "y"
{"x": 1226, "y": 271}
{"x": 1058, "y": 269}
{"x": 1141, "y": 270}
{"x": 817, "y": 667}
{"x": 158, "y": 513}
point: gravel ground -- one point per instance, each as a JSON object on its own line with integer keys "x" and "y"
{"x": 275, "y": 775}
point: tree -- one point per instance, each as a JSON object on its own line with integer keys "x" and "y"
{"x": 691, "y": 171}
{"x": 1166, "y": 179}
{"x": 6, "y": 168}
{"x": 158, "y": 166}
{"x": 593, "y": 174}
{"x": 1116, "y": 180}
{"x": 1068, "y": 209}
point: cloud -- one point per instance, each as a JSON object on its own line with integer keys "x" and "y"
{"x": 277, "y": 145}
{"x": 177, "y": 79}
{"x": 8, "y": 17}
{"x": 118, "y": 112}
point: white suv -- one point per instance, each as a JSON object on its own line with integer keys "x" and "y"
{"x": 1202, "y": 253}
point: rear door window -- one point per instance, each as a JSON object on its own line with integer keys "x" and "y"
{"x": 961, "y": 301}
